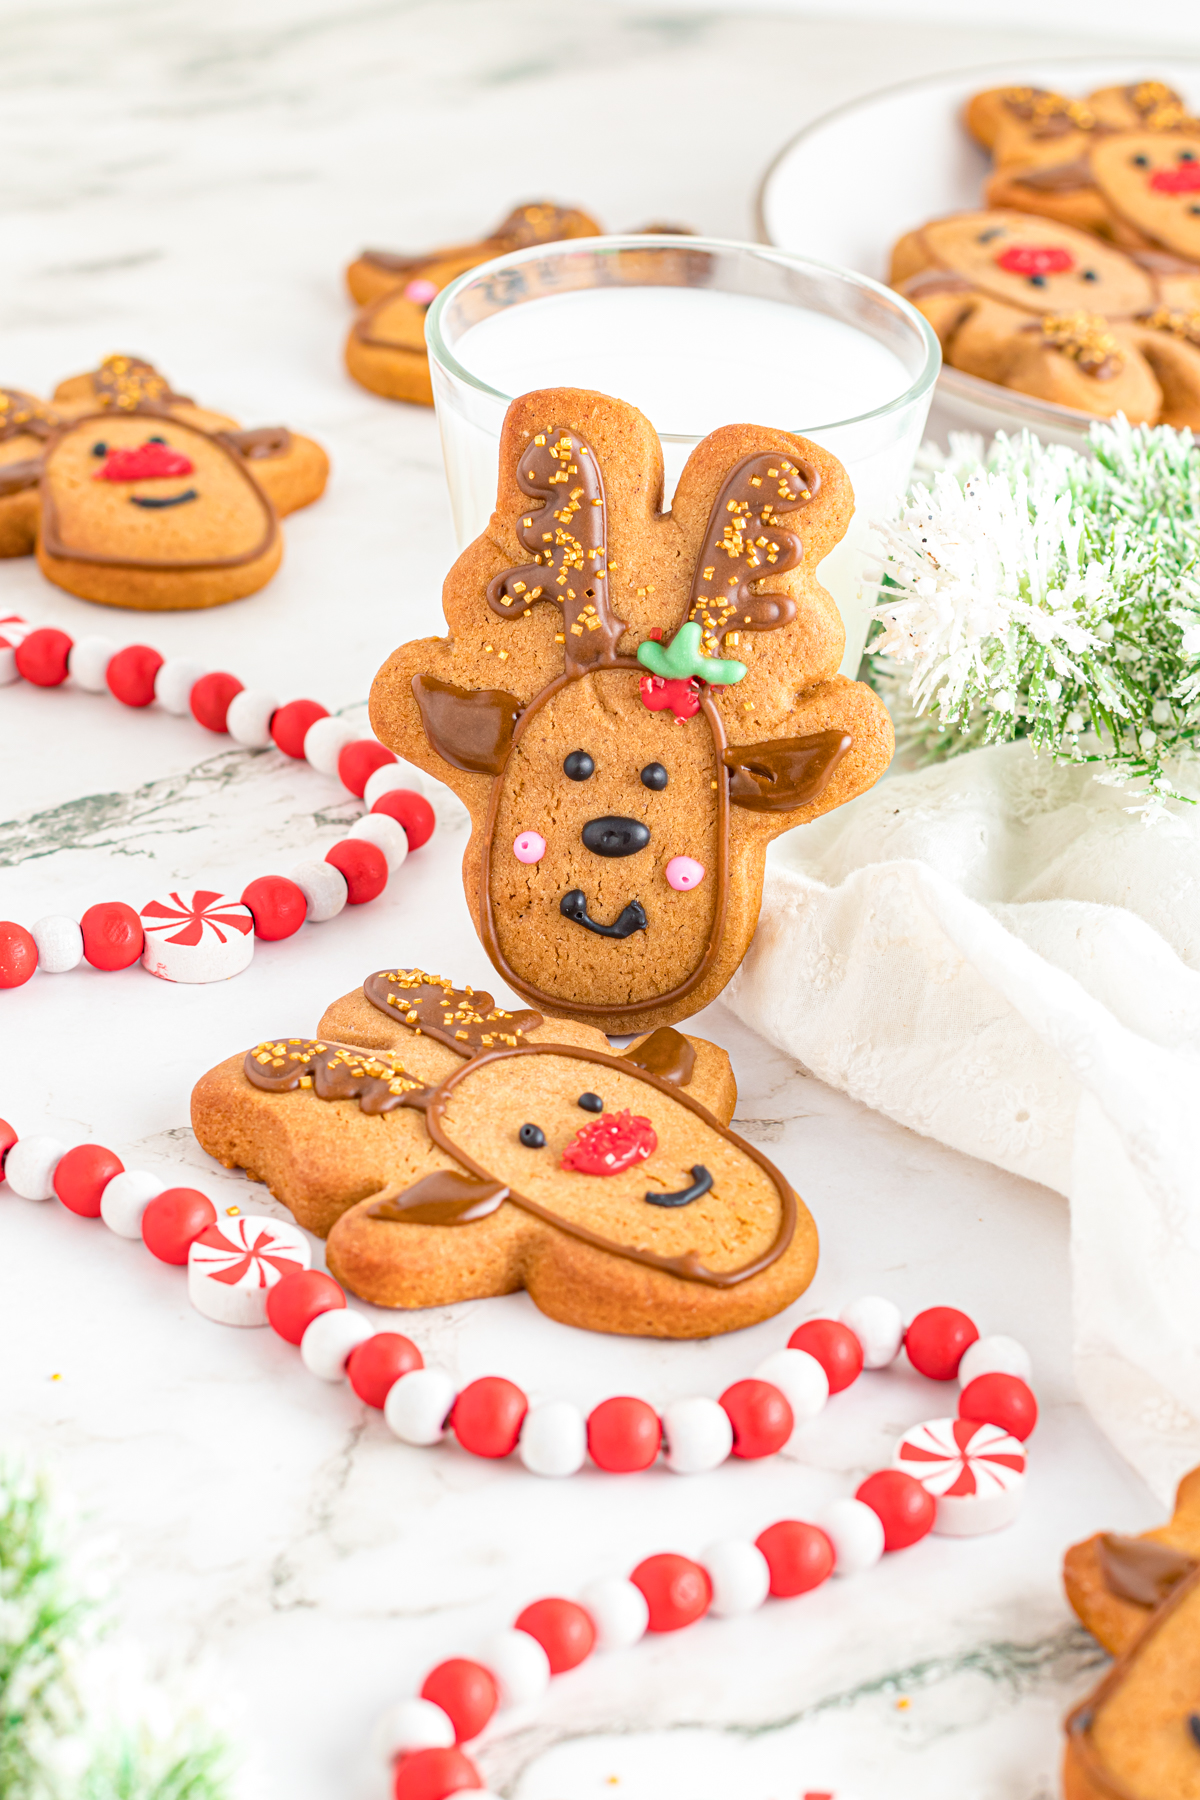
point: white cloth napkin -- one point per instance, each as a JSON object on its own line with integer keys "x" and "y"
{"x": 997, "y": 954}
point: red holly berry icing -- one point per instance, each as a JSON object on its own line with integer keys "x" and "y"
{"x": 145, "y": 462}
{"x": 1034, "y": 259}
{"x": 682, "y": 696}
{"x": 1184, "y": 178}
{"x": 613, "y": 1142}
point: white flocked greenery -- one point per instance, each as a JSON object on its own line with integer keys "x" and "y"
{"x": 1034, "y": 591}
{"x": 68, "y": 1729}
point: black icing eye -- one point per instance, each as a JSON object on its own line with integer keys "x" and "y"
{"x": 1141, "y": 162}
{"x": 654, "y": 776}
{"x": 533, "y": 1137}
{"x": 156, "y": 440}
{"x": 1194, "y": 209}
{"x": 1187, "y": 156}
{"x": 590, "y": 1103}
{"x": 985, "y": 237}
{"x": 1037, "y": 281}
{"x": 100, "y": 449}
{"x": 578, "y": 766}
{"x": 1089, "y": 275}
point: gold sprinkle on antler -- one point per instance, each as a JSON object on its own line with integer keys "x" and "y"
{"x": 1086, "y": 339}
{"x": 743, "y": 543}
{"x": 129, "y": 384}
{"x": 378, "y": 1080}
{"x": 1180, "y": 322}
{"x": 454, "y": 1016}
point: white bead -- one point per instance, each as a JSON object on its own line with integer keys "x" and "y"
{"x": 553, "y": 1439}
{"x": 879, "y": 1328}
{"x": 387, "y": 833}
{"x": 30, "y": 1165}
{"x": 59, "y": 943}
{"x": 125, "y": 1199}
{"x": 697, "y": 1435}
{"x": 519, "y": 1664}
{"x": 418, "y": 1405}
{"x": 389, "y": 776}
{"x": 411, "y": 1725}
{"x": 856, "y": 1534}
{"x": 174, "y": 683}
{"x": 324, "y": 742}
{"x": 330, "y": 1338}
{"x": 87, "y": 663}
{"x": 802, "y": 1381}
{"x": 13, "y": 631}
{"x": 222, "y": 930}
{"x": 248, "y": 720}
{"x": 986, "y": 1356}
{"x": 618, "y": 1610}
{"x": 740, "y": 1576}
{"x": 236, "y": 1261}
{"x": 323, "y": 886}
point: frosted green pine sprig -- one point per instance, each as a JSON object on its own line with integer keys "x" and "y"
{"x": 1044, "y": 593}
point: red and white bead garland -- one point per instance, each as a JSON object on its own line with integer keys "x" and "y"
{"x": 199, "y": 935}
{"x": 962, "y": 1475}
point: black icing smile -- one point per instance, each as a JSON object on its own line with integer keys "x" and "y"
{"x": 632, "y": 918}
{"x": 701, "y": 1183}
{"x": 156, "y": 504}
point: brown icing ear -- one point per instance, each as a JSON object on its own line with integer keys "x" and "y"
{"x": 263, "y": 441}
{"x": 568, "y": 534}
{"x": 15, "y": 477}
{"x": 470, "y": 728}
{"x": 784, "y": 773}
{"x": 443, "y": 1198}
{"x": 665, "y": 1053}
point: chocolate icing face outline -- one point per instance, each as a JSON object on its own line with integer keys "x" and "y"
{"x": 224, "y": 444}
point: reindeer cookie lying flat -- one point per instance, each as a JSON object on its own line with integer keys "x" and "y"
{"x": 133, "y": 496}
{"x": 633, "y": 703}
{"x": 452, "y": 1150}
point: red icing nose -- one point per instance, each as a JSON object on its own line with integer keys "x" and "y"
{"x": 1184, "y": 178}
{"x": 143, "y": 463}
{"x": 611, "y": 1143}
{"x": 1035, "y": 259}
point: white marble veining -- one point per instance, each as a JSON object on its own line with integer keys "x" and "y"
{"x": 186, "y": 181}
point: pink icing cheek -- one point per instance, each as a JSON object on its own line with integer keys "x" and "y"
{"x": 422, "y": 292}
{"x": 684, "y": 872}
{"x": 530, "y": 847}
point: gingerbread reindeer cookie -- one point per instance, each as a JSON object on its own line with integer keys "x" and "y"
{"x": 453, "y": 1150}
{"x": 633, "y": 703}
{"x": 1052, "y": 312}
{"x": 136, "y": 497}
{"x": 386, "y": 347}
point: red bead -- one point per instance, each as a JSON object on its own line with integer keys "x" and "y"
{"x": 434, "y": 1775}
{"x": 130, "y": 674}
{"x": 410, "y": 809}
{"x": 799, "y": 1556}
{"x": 364, "y": 865}
{"x": 466, "y": 1691}
{"x": 173, "y": 1220}
{"x": 112, "y": 935}
{"x": 488, "y": 1415}
{"x": 376, "y": 1365}
{"x": 82, "y": 1176}
{"x": 358, "y": 761}
{"x": 210, "y": 697}
{"x": 997, "y": 1399}
{"x": 290, "y": 723}
{"x": 277, "y": 905}
{"x": 761, "y": 1418}
{"x": 623, "y": 1435}
{"x": 42, "y": 658}
{"x": 563, "y": 1629}
{"x": 835, "y": 1347}
{"x": 18, "y": 954}
{"x": 677, "y": 1591}
{"x": 295, "y": 1301}
{"x": 936, "y": 1341}
{"x": 904, "y": 1508}
{"x": 8, "y": 1138}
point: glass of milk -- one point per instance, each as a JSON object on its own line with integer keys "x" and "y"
{"x": 696, "y": 333}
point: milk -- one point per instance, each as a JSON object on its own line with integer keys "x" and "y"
{"x": 693, "y": 358}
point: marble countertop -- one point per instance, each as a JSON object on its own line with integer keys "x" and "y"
{"x": 185, "y": 181}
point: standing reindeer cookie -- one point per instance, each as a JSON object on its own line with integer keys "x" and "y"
{"x": 633, "y": 703}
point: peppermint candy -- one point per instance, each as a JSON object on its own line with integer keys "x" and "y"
{"x": 233, "y": 1265}
{"x": 203, "y": 936}
{"x": 975, "y": 1472}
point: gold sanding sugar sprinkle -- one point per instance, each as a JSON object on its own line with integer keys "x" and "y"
{"x": 1085, "y": 338}
{"x": 1183, "y": 323}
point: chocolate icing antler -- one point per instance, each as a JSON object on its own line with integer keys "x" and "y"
{"x": 464, "y": 1019}
{"x": 568, "y": 534}
{"x": 376, "y": 1079}
{"x": 23, "y": 416}
{"x": 129, "y": 384}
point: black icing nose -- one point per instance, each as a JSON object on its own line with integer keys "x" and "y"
{"x": 611, "y": 836}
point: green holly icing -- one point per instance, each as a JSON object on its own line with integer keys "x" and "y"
{"x": 683, "y": 658}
